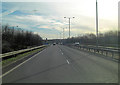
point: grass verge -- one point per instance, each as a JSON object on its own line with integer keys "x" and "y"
{"x": 18, "y": 57}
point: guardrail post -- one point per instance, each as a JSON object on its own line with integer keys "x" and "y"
{"x": 106, "y": 53}
{"x": 102, "y": 52}
{"x": 14, "y": 53}
{"x": 112, "y": 54}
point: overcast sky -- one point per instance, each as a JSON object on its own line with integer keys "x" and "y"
{"x": 47, "y": 17}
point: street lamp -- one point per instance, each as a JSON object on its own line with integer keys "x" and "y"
{"x": 69, "y": 24}
{"x": 96, "y": 23}
{"x": 60, "y": 35}
{"x": 63, "y": 33}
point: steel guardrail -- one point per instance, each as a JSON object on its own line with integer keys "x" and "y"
{"x": 107, "y": 51}
{"x": 20, "y": 51}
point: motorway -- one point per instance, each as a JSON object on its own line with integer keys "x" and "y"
{"x": 62, "y": 64}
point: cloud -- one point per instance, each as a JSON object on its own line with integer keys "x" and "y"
{"x": 35, "y": 19}
{"x": 8, "y": 12}
{"x": 48, "y": 20}
{"x": 49, "y": 36}
{"x": 43, "y": 27}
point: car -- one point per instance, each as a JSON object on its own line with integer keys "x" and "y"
{"x": 54, "y": 43}
{"x": 76, "y": 43}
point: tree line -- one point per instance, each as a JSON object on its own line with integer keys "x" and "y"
{"x": 14, "y": 38}
{"x": 110, "y": 38}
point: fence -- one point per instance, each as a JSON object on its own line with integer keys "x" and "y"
{"x": 106, "y": 51}
{"x": 14, "y": 53}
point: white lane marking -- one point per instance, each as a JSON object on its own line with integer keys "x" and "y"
{"x": 68, "y": 62}
{"x": 62, "y": 53}
{"x": 19, "y": 65}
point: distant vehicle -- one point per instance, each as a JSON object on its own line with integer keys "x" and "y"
{"x": 76, "y": 43}
{"x": 54, "y": 43}
{"x": 61, "y": 43}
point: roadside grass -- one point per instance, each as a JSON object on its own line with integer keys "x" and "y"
{"x": 18, "y": 57}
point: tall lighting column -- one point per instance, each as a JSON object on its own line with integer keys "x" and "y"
{"x": 69, "y": 24}
{"x": 63, "y": 33}
{"x": 96, "y": 23}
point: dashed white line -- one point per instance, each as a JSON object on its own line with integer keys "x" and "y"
{"x": 66, "y": 59}
{"x": 68, "y": 62}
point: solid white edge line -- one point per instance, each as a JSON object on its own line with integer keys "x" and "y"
{"x": 15, "y": 61}
{"x": 20, "y": 64}
{"x": 68, "y": 62}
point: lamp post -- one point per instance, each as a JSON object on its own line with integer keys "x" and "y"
{"x": 63, "y": 33}
{"x": 60, "y": 35}
{"x": 69, "y": 24}
{"x": 96, "y": 23}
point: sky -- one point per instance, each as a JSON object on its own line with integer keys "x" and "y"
{"x": 46, "y": 18}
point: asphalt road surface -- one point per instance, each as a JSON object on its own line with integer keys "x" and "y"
{"x": 61, "y": 64}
